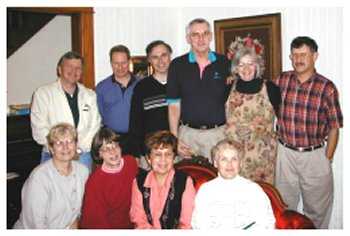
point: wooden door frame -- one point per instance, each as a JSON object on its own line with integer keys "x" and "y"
{"x": 82, "y": 35}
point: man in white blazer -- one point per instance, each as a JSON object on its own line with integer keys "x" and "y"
{"x": 66, "y": 100}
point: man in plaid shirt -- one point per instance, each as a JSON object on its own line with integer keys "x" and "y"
{"x": 309, "y": 116}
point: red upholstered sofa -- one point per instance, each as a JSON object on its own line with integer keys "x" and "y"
{"x": 202, "y": 171}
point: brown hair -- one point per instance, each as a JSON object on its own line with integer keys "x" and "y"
{"x": 104, "y": 135}
{"x": 156, "y": 43}
{"x": 69, "y": 56}
{"x": 119, "y": 48}
{"x": 161, "y": 138}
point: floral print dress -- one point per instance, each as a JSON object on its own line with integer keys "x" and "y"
{"x": 250, "y": 119}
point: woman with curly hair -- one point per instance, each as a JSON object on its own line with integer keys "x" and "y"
{"x": 250, "y": 112}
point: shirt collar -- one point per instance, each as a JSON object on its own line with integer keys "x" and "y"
{"x": 59, "y": 84}
{"x": 192, "y": 57}
{"x": 131, "y": 81}
{"x": 312, "y": 77}
{"x": 74, "y": 95}
{"x": 151, "y": 180}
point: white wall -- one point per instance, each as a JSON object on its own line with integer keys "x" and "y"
{"x": 34, "y": 64}
{"x": 136, "y": 27}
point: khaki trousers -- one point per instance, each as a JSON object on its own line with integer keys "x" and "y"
{"x": 308, "y": 174}
{"x": 201, "y": 141}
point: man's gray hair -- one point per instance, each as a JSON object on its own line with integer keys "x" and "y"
{"x": 196, "y": 21}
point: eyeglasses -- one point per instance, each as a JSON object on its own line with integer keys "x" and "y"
{"x": 61, "y": 143}
{"x": 197, "y": 35}
{"x": 109, "y": 147}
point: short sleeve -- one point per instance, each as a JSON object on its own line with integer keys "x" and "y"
{"x": 173, "y": 84}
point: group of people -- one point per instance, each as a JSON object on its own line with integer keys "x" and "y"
{"x": 283, "y": 131}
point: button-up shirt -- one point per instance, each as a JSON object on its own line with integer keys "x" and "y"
{"x": 308, "y": 110}
{"x": 114, "y": 103}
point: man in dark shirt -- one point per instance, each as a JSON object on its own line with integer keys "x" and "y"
{"x": 149, "y": 109}
{"x": 309, "y": 115}
{"x": 197, "y": 92}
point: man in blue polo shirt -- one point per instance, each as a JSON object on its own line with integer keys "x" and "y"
{"x": 114, "y": 95}
{"x": 197, "y": 92}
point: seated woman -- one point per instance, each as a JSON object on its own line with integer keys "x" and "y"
{"x": 230, "y": 201}
{"x": 53, "y": 193}
{"x": 108, "y": 190}
{"x": 163, "y": 197}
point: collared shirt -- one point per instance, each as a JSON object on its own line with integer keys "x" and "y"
{"x": 308, "y": 110}
{"x": 202, "y": 97}
{"x": 192, "y": 59}
{"x": 130, "y": 82}
{"x": 73, "y": 104}
{"x": 114, "y": 104}
{"x": 158, "y": 198}
{"x": 229, "y": 204}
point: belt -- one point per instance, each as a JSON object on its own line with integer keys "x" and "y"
{"x": 202, "y": 127}
{"x": 301, "y": 149}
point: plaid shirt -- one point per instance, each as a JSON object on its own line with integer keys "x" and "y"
{"x": 308, "y": 110}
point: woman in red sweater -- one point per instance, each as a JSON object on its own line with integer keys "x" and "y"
{"x": 107, "y": 196}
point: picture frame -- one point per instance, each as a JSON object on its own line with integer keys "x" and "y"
{"x": 265, "y": 29}
{"x": 140, "y": 66}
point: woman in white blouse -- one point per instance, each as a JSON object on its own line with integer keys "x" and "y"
{"x": 230, "y": 201}
{"x": 52, "y": 194}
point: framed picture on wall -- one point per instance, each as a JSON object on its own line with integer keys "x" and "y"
{"x": 140, "y": 66}
{"x": 262, "y": 32}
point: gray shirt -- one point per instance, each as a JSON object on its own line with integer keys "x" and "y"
{"x": 51, "y": 200}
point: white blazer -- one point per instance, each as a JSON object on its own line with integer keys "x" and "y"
{"x": 50, "y": 106}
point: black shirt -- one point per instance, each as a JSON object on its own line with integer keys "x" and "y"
{"x": 255, "y": 85}
{"x": 202, "y": 99}
{"x": 148, "y": 112}
{"x": 73, "y": 104}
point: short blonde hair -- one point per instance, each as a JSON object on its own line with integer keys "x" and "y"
{"x": 224, "y": 145}
{"x": 60, "y": 130}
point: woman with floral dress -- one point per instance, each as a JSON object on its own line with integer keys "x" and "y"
{"x": 250, "y": 112}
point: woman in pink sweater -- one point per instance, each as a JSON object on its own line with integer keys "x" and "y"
{"x": 162, "y": 198}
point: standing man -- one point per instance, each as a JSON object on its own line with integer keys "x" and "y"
{"x": 66, "y": 100}
{"x": 197, "y": 92}
{"x": 114, "y": 95}
{"x": 149, "y": 109}
{"x": 310, "y": 116}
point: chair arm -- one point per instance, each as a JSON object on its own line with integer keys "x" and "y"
{"x": 290, "y": 219}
